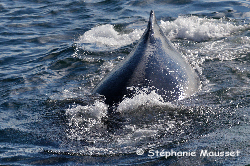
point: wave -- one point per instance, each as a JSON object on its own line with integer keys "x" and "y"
{"x": 194, "y": 28}
{"x": 105, "y": 37}
{"x": 199, "y": 29}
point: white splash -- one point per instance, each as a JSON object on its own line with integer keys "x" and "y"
{"x": 142, "y": 98}
{"x": 97, "y": 110}
{"x": 198, "y": 29}
{"x": 84, "y": 120}
{"x": 105, "y": 37}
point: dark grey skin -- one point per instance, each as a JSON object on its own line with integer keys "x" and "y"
{"x": 155, "y": 64}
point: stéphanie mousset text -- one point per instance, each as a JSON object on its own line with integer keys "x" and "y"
{"x": 203, "y": 153}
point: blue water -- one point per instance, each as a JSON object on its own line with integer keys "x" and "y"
{"x": 53, "y": 53}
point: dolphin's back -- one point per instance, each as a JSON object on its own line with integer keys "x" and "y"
{"x": 155, "y": 64}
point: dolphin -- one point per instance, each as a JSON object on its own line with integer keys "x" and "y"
{"x": 153, "y": 64}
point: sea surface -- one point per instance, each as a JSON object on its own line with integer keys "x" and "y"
{"x": 54, "y": 52}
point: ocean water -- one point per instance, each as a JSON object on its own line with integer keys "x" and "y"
{"x": 53, "y": 53}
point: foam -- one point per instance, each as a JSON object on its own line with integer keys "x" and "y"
{"x": 84, "y": 120}
{"x": 97, "y": 110}
{"x": 198, "y": 29}
{"x": 105, "y": 37}
{"x": 146, "y": 117}
{"x": 144, "y": 98}
{"x": 225, "y": 49}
